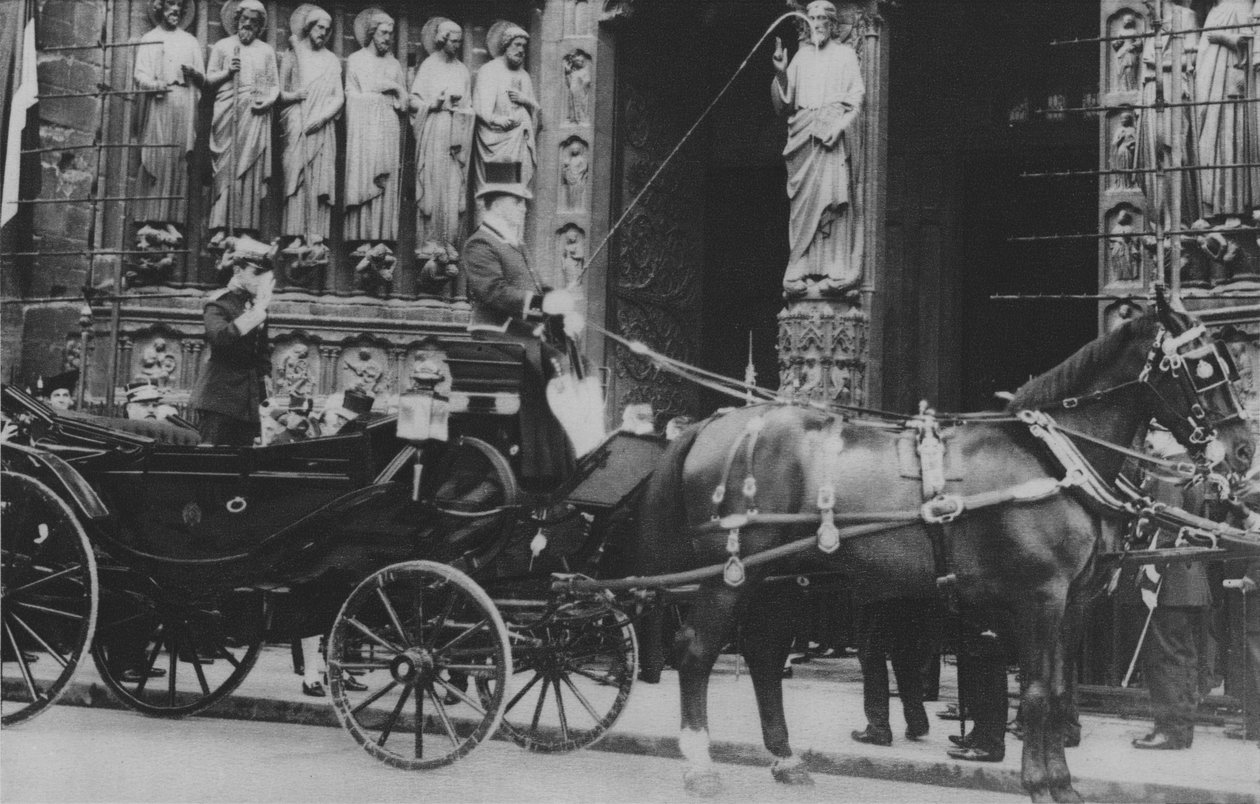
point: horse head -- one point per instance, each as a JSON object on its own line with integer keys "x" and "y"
{"x": 1191, "y": 377}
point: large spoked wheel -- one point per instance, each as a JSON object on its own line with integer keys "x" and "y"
{"x": 166, "y": 656}
{"x": 416, "y": 632}
{"x": 49, "y": 598}
{"x": 574, "y": 671}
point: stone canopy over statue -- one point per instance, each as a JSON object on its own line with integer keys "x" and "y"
{"x": 820, "y": 93}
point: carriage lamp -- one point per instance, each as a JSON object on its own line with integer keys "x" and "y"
{"x": 423, "y": 413}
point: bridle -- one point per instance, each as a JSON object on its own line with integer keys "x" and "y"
{"x": 1202, "y": 371}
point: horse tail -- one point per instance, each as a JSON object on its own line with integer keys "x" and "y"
{"x": 662, "y": 545}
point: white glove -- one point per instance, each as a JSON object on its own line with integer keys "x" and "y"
{"x": 250, "y": 319}
{"x": 558, "y": 302}
{"x": 266, "y": 286}
{"x": 574, "y": 323}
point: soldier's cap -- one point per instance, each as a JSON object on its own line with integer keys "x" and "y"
{"x": 504, "y": 178}
{"x": 143, "y": 390}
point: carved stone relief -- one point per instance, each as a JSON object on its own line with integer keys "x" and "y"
{"x": 571, "y": 252}
{"x": 156, "y": 359}
{"x": 577, "y": 87}
{"x": 1122, "y": 151}
{"x": 1125, "y": 53}
{"x": 364, "y": 367}
{"x": 295, "y": 368}
{"x": 575, "y": 170}
{"x": 577, "y": 18}
{"x": 823, "y": 348}
{"x": 1125, "y": 226}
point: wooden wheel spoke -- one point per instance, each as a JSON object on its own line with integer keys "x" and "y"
{"x": 46, "y": 579}
{"x": 564, "y": 720}
{"x": 521, "y": 694}
{"x": 440, "y": 708}
{"x": 460, "y": 694}
{"x": 605, "y": 679}
{"x": 476, "y": 670}
{"x": 393, "y": 616}
{"x": 44, "y": 644}
{"x": 196, "y": 659}
{"x": 393, "y": 717}
{"x": 374, "y": 697}
{"x": 150, "y": 660}
{"x": 446, "y": 615}
{"x": 69, "y": 615}
{"x": 463, "y": 637}
{"x": 372, "y": 635}
{"x": 538, "y": 709}
{"x": 590, "y": 710}
{"x": 22, "y": 666}
{"x": 172, "y": 663}
{"x": 419, "y": 736}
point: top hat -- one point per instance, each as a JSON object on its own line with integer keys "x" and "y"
{"x": 143, "y": 390}
{"x": 504, "y": 177}
{"x": 351, "y": 405}
{"x": 68, "y": 380}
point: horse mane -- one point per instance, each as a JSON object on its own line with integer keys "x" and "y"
{"x": 1067, "y": 378}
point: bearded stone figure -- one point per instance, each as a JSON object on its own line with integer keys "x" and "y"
{"x": 243, "y": 68}
{"x": 820, "y": 93}
{"x": 507, "y": 111}
{"x": 441, "y": 96}
{"x": 376, "y": 97}
{"x": 312, "y": 98}
{"x": 174, "y": 67}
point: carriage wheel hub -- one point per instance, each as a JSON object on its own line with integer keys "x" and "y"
{"x": 411, "y": 664}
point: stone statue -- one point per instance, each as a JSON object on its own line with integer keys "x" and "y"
{"x": 312, "y": 99}
{"x": 376, "y": 94}
{"x": 1223, "y": 128}
{"x": 1124, "y": 150}
{"x": 168, "y": 117}
{"x": 441, "y": 96}
{"x": 574, "y": 174}
{"x": 503, "y": 98}
{"x": 1124, "y": 249}
{"x": 1127, "y": 51}
{"x": 243, "y": 68}
{"x": 820, "y": 93}
{"x": 1155, "y": 131}
{"x": 577, "y": 80}
{"x": 374, "y": 272}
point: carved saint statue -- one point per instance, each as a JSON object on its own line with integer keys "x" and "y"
{"x": 820, "y": 93}
{"x": 577, "y": 80}
{"x": 507, "y": 112}
{"x": 1127, "y": 47}
{"x": 176, "y": 69}
{"x": 1155, "y": 131}
{"x": 376, "y": 94}
{"x": 243, "y": 67}
{"x": 1224, "y": 128}
{"x": 574, "y": 174}
{"x": 1124, "y": 150}
{"x": 441, "y": 96}
{"x": 312, "y": 97}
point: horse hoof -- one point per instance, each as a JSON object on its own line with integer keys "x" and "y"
{"x": 1040, "y": 797}
{"x": 702, "y": 783}
{"x": 795, "y": 775}
{"x": 1066, "y": 794}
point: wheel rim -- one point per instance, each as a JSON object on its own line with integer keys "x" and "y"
{"x": 412, "y": 630}
{"x": 49, "y": 597}
{"x": 165, "y": 657}
{"x": 573, "y": 676}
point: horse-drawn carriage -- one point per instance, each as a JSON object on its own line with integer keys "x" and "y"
{"x": 1020, "y": 508}
{"x": 170, "y": 563}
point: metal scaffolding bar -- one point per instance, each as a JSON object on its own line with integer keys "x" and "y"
{"x": 100, "y": 45}
{"x": 100, "y": 93}
{"x": 1158, "y": 30}
{"x": 94, "y": 200}
{"x": 93, "y": 252}
{"x": 103, "y": 145}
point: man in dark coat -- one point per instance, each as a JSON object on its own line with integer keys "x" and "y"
{"x": 230, "y": 389}
{"x": 510, "y": 304}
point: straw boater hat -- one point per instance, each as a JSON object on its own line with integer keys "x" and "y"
{"x": 228, "y": 14}
{"x": 504, "y": 177}
{"x": 142, "y": 389}
{"x": 301, "y": 17}
{"x": 501, "y": 35}
{"x": 434, "y": 31}
{"x": 185, "y": 18}
{"x": 365, "y": 24}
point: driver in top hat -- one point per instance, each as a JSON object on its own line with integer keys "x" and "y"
{"x": 230, "y": 389}
{"x": 509, "y": 304}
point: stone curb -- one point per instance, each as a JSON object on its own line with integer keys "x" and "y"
{"x": 993, "y": 778}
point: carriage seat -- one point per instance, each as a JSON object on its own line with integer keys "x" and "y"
{"x": 160, "y": 432}
{"x": 486, "y": 377}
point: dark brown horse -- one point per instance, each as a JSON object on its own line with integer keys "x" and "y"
{"x": 1033, "y": 557}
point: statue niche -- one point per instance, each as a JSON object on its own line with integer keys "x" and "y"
{"x": 1125, "y": 227}
{"x": 575, "y": 169}
{"x": 1125, "y": 29}
{"x": 577, "y": 87}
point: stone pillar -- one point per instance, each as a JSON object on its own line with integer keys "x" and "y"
{"x": 828, "y": 340}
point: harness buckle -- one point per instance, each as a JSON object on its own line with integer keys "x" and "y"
{"x": 826, "y": 496}
{"x": 1071, "y": 402}
{"x": 942, "y": 510}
